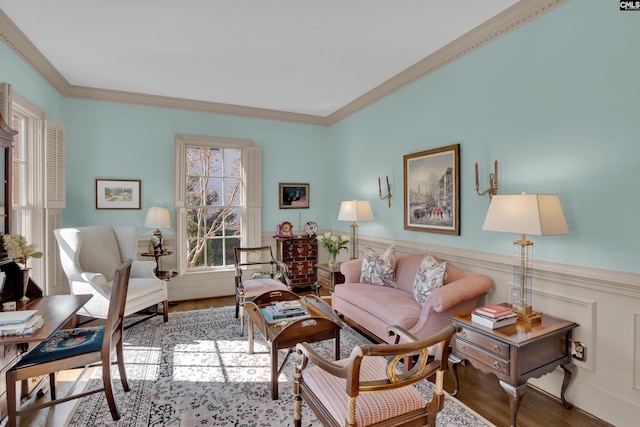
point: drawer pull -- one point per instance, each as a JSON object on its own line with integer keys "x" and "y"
{"x": 496, "y": 365}
{"x": 496, "y": 349}
{"x": 463, "y": 348}
{"x": 463, "y": 334}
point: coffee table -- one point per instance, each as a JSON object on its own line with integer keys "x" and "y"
{"x": 322, "y": 324}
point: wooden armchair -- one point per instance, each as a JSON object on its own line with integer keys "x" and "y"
{"x": 265, "y": 273}
{"x": 371, "y": 388}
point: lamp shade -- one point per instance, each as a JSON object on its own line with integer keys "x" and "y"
{"x": 158, "y": 217}
{"x": 355, "y": 210}
{"x": 537, "y": 214}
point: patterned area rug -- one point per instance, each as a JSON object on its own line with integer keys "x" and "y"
{"x": 195, "y": 371}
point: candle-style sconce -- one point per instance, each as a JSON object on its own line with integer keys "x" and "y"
{"x": 388, "y": 196}
{"x": 493, "y": 182}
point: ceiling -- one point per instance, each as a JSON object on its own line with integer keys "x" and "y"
{"x": 310, "y": 57}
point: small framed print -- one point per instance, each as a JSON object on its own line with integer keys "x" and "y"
{"x": 432, "y": 190}
{"x": 118, "y": 194}
{"x": 294, "y": 196}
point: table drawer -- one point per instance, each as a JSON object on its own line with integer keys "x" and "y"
{"x": 489, "y": 344}
{"x": 470, "y": 351}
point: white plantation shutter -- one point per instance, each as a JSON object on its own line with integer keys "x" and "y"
{"x": 55, "y": 278}
{"x": 252, "y": 179}
{"x": 55, "y": 197}
{"x": 6, "y": 103}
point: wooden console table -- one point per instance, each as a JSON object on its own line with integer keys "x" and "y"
{"x": 514, "y": 353}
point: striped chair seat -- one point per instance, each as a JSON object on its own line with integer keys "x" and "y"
{"x": 371, "y": 408}
{"x": 255, "y": 287}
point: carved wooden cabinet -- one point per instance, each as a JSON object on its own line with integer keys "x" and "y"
{"x": 301, "y": 256}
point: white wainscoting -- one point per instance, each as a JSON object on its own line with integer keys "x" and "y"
{"x": 605, "y": 303}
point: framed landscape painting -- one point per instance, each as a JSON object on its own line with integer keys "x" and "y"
{"x": 294, "y": 195}
{"x": 117, "y": 194}
{"x": 432, "y": 190}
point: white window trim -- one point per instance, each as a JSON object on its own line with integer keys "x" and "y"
{"x": 251, "y": 210}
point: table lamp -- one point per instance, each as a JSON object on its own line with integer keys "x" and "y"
{"x": 355, "y": 210}
{"x": 538, "y": 214}
{"x": 157, "y": 217}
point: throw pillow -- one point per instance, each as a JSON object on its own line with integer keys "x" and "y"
{"x": 266, "y": 275}
{"x": 379, "y": 269}
{"x": 430, "y": 276}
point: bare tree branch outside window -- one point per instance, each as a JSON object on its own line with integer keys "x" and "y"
{"x": 214, "y": 197}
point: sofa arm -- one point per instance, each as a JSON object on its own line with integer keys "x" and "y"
{"x": 351, "y": 270}
{"x": 469, "y": 287}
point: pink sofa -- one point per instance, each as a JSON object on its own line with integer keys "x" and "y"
{"x": 373, "y": 308}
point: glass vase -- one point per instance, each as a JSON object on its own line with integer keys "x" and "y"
{"x": 25, "y": 283}
{"x": 332, "y": 260}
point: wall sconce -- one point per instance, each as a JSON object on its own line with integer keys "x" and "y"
{"x": 493, "y": 182}
{"x": 388, "y": 196}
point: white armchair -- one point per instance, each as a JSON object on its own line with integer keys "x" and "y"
{"x": 91, "y": 255}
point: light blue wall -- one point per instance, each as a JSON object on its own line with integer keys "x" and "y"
{"x": 109, "y": 140}
{"x": 555, "y": 102}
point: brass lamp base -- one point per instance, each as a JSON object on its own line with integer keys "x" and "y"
{"x": 526, "y": 314}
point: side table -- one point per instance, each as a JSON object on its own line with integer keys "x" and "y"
{"x": 328, "y": 277}
{"x": 514, "y": 353}
{"x": 157, "y": 257}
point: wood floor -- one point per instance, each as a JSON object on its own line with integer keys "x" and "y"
{"x": 479, "y": 391}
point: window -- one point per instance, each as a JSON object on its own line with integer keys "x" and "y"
{"x": 215, "y": 200}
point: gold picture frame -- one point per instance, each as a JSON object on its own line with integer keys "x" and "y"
{"x": 432, "y": 190}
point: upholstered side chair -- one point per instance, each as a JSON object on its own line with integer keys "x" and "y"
{"x": 76, "y": 348}
{"x": 265, "y": 274}
{"x": 372, "y": 387}
{"x": 90, "y": 255}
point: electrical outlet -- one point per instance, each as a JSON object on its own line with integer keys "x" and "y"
{"x": 579, "y": 351}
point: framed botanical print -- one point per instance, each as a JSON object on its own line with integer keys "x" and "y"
{"x": 118, "y": 194}
{"x": 432, "y": 190}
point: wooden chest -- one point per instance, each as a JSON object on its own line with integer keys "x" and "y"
{"x": 301, "y": 256}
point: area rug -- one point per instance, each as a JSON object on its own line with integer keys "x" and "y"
{"x": 195, "y": 371}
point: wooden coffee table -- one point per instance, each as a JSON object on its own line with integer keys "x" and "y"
{"x": 322, "y": 324}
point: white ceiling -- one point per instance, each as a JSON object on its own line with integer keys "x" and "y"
{"x": 303, "y": 56}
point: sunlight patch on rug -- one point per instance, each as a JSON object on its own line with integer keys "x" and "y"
{"x": 195, "y": 370}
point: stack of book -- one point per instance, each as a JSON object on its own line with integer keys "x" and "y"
{"x": 22, "y": 322}
{"x": 283, "y": 310}
{"x": 494, "y": 316}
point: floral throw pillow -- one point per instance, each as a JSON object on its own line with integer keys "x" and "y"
{"x": 379, "y": 269}
{"x": 430, "y": 276}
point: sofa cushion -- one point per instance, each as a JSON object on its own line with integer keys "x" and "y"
{"x": 379, "y": 269}
{"x": 362, "y": 303}
{"x": 430, "y": 276}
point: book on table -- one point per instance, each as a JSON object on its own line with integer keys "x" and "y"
{"x": 16, "y": 317}
{"x": 494, "y": 322}
{"x": 273, "y": 314}
{"x": 32, "y": 324}
{"x": 494, "y": 310}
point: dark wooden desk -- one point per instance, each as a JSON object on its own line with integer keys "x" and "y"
{"x": 57, "y": 310}
{"x": 514, "y": 353}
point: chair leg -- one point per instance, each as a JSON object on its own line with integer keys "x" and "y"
{"x": 241, "y": 319}
{"x": 165, "y": 307}
{"x": 108, "y": 388}
{"x": 123, "y": 372}
{"x": 52, "y": 385}
{"x": 11, "y": 399}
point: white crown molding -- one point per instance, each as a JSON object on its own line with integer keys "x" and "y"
{"x": 95, "y": 94}
{"x": 512, "y": 18}
{"x": 13, "y": 37}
